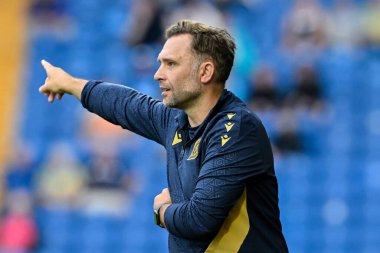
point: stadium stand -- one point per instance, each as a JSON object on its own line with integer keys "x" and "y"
{"x": 326, "y": 98}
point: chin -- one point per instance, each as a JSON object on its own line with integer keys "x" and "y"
{"x": 171, "y": 104}
{"x": 168, "y": 104}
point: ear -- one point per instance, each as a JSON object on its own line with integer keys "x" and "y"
{"x": 206, "y": 71}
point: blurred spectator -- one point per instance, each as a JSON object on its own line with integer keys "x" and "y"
{"x": 106, "y": 171}
{"x": 344, "y": 25}
{"x": 18, "y": 230}
{"x": 144, "y": 58}
{"x": 307, "y": 93}
{"x": 47, "y": 10}
{"x": 288, "y": 138}
{"x": 19, "y": 172}
{"x": 304, "y": 30}
{"x": 96, "y": 132}
{"x": 61, "y": 179}
{"x": 198, "y": 10}
{"x": 236, "y": 15}
{"x": 49, "y": 17}
{"x": 111, "y": 184}
{"x": 263, "y": 95}
{"x": 371, "y": 23}
{"x": 145, "y": 25}
{"x": 231, "y": 4}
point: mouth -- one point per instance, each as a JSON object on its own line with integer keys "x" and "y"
{"x": 164, "y": 91}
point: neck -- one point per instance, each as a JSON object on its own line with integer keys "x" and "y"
{"x": 197, "y": 113}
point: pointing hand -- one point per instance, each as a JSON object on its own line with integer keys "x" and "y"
{"x": 58, "y": 82}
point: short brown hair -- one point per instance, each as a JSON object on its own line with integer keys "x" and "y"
{"x": 208, "y": 41}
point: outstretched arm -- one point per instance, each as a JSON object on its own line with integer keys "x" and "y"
{"x": 117, "y": 104}
{"x": 59, "y": 82}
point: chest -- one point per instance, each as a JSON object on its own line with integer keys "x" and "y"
{"x": 184, "y": 164}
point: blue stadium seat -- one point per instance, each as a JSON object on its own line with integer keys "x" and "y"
{"x": 340, "y": 161}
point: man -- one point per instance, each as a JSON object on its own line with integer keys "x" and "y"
{"x": 222, "y": 190}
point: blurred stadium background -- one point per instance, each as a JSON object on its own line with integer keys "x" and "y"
{"x": 70, "y": 182}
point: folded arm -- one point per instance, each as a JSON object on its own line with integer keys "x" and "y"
{"x": 221, "y": 182}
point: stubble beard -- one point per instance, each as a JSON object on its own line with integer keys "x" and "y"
{"x": 183, "y": 99}
{"x": 187, "y": 95}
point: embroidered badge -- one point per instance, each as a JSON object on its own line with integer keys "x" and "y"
{"x": 194, "y": 153}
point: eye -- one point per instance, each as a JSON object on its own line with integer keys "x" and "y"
{"x": 171, "y": 63}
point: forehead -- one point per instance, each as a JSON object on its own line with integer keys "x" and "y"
{"x": 176, "y": 46}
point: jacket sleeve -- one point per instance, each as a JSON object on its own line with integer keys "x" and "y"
{"x": 225, "y": 170}
{"x": 128, "y": 108}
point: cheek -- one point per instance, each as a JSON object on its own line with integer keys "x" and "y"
{"x": 178, "y": 79}
{"x": 183, "y": 78}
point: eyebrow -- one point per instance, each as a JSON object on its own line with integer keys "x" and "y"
{"x": 167, "y": 59}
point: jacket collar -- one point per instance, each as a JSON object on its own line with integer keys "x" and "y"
{"x": 183, "y": 122}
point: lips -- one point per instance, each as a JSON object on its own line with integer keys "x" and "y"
{"x": 164, "y": 90}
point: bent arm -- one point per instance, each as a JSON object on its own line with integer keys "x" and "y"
{"x": 221, "y": 183}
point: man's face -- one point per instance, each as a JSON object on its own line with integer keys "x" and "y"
{"x": 178, "y": 73}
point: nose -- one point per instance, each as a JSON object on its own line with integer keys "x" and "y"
{"x": 158, "y": 76}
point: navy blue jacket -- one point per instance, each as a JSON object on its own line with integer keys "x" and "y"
{"x": 220, "y": 174}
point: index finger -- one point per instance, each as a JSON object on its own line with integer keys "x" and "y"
{"x": 46, "y": 65}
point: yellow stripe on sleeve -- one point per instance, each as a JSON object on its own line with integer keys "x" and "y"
{"x": 234, "y": 229}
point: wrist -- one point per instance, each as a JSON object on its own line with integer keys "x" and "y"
{"x": 162, "y": 213}
{"x": 159, "y": 213}
{"x": 77, "y": 87}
